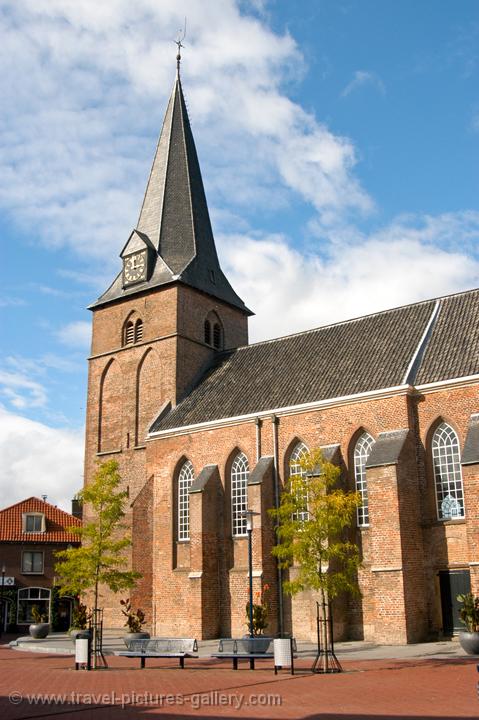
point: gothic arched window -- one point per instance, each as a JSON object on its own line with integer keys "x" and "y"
{"x": 299, "y": 452}
{"x": 138, "y": 330}
{"x": 239, "y": 493}
{"x": 361, "y": 453}
{"x": 185, "y": 478}
{"x": 207, "y": 332}
{"x": 129, "y": 333}
{"x": 447, "y": 473}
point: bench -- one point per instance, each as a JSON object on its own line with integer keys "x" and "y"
{"x": 257, "y": 648}
{"x": 180, "y": 648}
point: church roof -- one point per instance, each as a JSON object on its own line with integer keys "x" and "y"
{"x": 430, "y": 341}
{"x": 174, "y": 220}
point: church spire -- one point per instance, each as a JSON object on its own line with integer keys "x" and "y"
{"x": 174, "y": 221}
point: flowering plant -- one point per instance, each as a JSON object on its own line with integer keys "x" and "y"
{"x": 260, "y": 611}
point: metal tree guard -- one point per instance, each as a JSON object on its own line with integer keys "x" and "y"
{"x": 325, "y": 660}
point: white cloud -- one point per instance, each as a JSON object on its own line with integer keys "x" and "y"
{"x": 84, "y": 83}
{"x": 76, "y": 334}
{"x": 21, "y": 391}
{"x": 38, "y": 460}
{"x": 399, "y": 264}
{"x": 361, "y": 78}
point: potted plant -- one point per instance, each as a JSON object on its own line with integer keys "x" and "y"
{"x": 134, "y": 622}
{"x": 469, "y": 616}
{"x": 40, "y": 627}
{"x": 80, "y": 619}
{"x": 260, "y": 642}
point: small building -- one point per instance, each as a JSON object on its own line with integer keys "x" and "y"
{"x": 31, "y": 532}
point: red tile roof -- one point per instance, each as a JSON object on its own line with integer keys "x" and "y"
{"x": 56, "y": 523}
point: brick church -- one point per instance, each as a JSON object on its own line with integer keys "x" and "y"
{"x": 204, "y": 425}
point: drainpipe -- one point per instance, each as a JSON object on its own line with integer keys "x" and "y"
{"x": 258, "y": 423}
{"x": 274, "y": 427}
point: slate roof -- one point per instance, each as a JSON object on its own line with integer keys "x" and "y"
{"x": 358, "y": 356}
{"x": 56, "y": 522}
{"x": 174, "y": 217}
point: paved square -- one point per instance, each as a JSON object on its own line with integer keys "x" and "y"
{"x": 34, "y": 685}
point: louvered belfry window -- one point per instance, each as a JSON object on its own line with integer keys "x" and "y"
{"x": 185, "y": 478}
{"x": 299, "y": 452}
{"x": 447, "y": 473}
{"x": 129, "y": 333}
{"x": 361, "y": 453}
{"x": 207, "y": 332}
{"x": 239, "y": 493}
{"x": 216, "y": 336}
{"x": 138, "y": 331}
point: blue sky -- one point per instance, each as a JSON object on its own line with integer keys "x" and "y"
{"x": 339, "y": 148}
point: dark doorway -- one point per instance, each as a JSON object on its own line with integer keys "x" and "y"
{"x": 64, "y": 611}
{"x": 452, "y": 584}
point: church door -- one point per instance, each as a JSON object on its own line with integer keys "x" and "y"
{"x": 452, "y": 584}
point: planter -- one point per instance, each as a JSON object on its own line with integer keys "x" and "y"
{"x": 135, "y": 636}
{"x": 39, "y": 631}
{"x": 257, "y": 644}
{"x": 469, "y": 642}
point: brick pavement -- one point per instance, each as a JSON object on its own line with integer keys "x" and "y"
{"x": 380, "y": 689}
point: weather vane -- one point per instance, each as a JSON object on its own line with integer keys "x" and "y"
{"x": 179, "y": 42}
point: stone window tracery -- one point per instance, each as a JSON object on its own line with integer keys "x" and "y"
{"x": 299, "y": 452}
{"x": 447, "y": 473}
{"x": 239, "y": 493}
{"x": 362, "y": 450}
{"x": 185, "y": 478}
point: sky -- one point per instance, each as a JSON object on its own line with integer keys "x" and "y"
{"x": 339, "y": 146}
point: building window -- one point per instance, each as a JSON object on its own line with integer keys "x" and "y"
{"x": 28, "y": 598}
{"x": 213, "y": 331}
{"x": 361, "y": 453}
{"x": 129, "y": 333}
{"x": 185, "y": 478}
{"x": 217, "y": 336}
{"x": 299, "y": 452}
{"x": 33, "y": 522}
{"x": 138, "y": 330}
{"x": 447, "y": 473}
{"x": 32, "y": 562}
{"x": 207, "y": 332}
{"x": 239, "y": 493}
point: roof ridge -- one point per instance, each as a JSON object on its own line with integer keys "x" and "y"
{"x": 40, "y": 500}
{"x": 355, "y": 319}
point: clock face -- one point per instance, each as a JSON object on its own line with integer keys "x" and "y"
{"x": 134, "y": 268}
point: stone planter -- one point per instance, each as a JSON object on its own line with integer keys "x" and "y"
{"x": 135, "y": 636}
{"x": 39, "y": 631}
{"x": 258, "y": 644}
{"x": 469, "y": 642}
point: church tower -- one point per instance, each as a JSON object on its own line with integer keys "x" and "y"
{"x": 166, "y": 315}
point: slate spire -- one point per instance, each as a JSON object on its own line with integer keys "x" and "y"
{"x": 174, "y": 220}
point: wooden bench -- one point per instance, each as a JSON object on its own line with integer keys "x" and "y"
{"x": 251, "y": 649}
{"x": 180, "y": 648}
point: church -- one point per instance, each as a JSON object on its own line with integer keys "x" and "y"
{"x": 204, "y": 425}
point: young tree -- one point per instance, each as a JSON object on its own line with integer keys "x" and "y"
{"x": 311, "y": 527}
{"x": 100, "y": 558}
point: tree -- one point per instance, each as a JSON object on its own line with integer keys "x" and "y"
{"x": 100, "y": 558}
{"x": 311, "y": 527}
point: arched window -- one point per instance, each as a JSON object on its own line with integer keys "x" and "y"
{"x": 217, "y": 336}
{"x": 185, "y": 478}
{"x": 239, "y": 493}
{"x": 213, "y": 331}
{"x": 361, "y": 454}
{"x": 207, "y": 332}
{"x": 129, "y": 333}
{"x": 299, "y": 452}
{"x": 447, "y": 473}
{"x": 138, "y": 330}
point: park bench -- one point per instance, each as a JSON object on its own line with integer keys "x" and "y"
{"x": 180, "y": 648}
{"x": 257, "y": 648}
